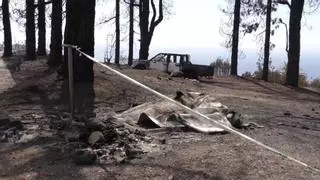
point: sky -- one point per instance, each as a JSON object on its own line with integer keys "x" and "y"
{"x": 193, "y": 28}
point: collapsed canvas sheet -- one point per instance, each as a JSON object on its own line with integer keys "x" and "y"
{"x": 164, "y": 114}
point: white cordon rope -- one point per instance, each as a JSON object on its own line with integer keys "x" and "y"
{"x": 197, "y": 113}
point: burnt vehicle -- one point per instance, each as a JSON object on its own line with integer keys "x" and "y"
{"x": 169, "y": 62}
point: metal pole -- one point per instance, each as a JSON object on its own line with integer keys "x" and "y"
{"x": 71, "y": 81}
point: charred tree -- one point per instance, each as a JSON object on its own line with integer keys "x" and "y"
{"x": 6, "y": 29}
{"x": 146, "y": 31}
{"x": 265, "y": 72}
{"x": 144, "y": 12}
{"x": 55, "y": 58}
{"x": 131, "y": 31}
{"x": 30, "y": 31}
{"x": 41, "y": 28}
{"x": 292, "y": 77}
{"x": 117, "y": 49}
{"x": 79, "y": 31}
{"x": 235, "y": 38}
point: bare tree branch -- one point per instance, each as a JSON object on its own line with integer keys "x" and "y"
{"x": 45, "y": 3}
{"x": 154, "y": 12}
{"x": 158, "y": 21}
{"x": 155, "y": 23}
{"x": 287, "y": 36}
{"x": 106, "y": 21}
{"x": 135, "y": 5}
{"x": 285, "y": 2}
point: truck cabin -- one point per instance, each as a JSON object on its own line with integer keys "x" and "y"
{"x": 171, "y": 57}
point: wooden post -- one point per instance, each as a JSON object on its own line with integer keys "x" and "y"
{"x": 71, "y": 81}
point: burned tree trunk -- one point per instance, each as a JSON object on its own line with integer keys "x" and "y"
{"x": 55, "y": 58}
{"x": 30, "y": 31}
{"x": 265, "y": 72}
{"x": 80, "y": 32}
{"x": 117, "y": 49}
{"x": 41, "y": 28}
{"x": 144, "y": 12}
{"x": 235, "y": 38}
{"x": 131, "y": 32}
{"x": 146, "y": 32}
{"x": 6, "y": 29}
{"x": 292, "y": 77}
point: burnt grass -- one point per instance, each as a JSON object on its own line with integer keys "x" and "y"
{"x": 39, "y": 101}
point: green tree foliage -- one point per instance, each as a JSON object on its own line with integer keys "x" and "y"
{"x": 315, "y": 83}
{"x": 275, "y": 75}
{"x": 221, "y": 66}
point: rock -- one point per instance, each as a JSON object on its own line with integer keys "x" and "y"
{"x": 3, "y": 138}
{"x": 235, "y": 119}
{"x": 195, "y": 81}
{"x": 36, "y": 116}
{"x": 139, "y": 133}
{"x": 133, "y": 152}
{"x": 287, "y": 113}
{"x": 171, "y": 177}
{"x": 33, "y": 88}
{"x": 4, "y": 120}
{"x": 72, "y": 136}
{"x": 119, "y": 156}
{"x": 176, "y": 74}
{"x": 27, "y": 137}
{"x": 84, "y": 156}
{"x": 95, "y": 137}
{"x": 16, "y": 124}
{"x": 305, "y": 127}
{"x": 132, "y": 138}
{"x": 163, "y": 141}
{"x": 94, "y": 124}
{"x": 110, "y": 135}
{"x": 307, "y": 115}
{"x": 230, "y": 115}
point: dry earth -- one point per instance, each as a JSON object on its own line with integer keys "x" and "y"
{"x": 34, "y": 97}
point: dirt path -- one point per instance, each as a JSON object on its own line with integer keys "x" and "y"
{"x": 290, "y": 116}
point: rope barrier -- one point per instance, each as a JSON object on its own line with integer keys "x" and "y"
{"x": 227, "y": 128}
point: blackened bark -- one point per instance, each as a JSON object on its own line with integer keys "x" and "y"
{"x": 80, "y": 31}
{"x": 144, "y": 12}
{"x": 55, "y": 58}
{"x": 131, "y": 32}
{"x": 117, "y": 49}
{"x": 146, "y": 32}
{"x": 292, "y": 77}
{"x": 265, "y": 72}
{"x": 30, "y": 31}
{"x": 235, "y": 38}
{"x": 41, "y": 28}
{"x": 6, "y": 29}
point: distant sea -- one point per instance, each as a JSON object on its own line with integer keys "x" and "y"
{"x": 309, "y": 65}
